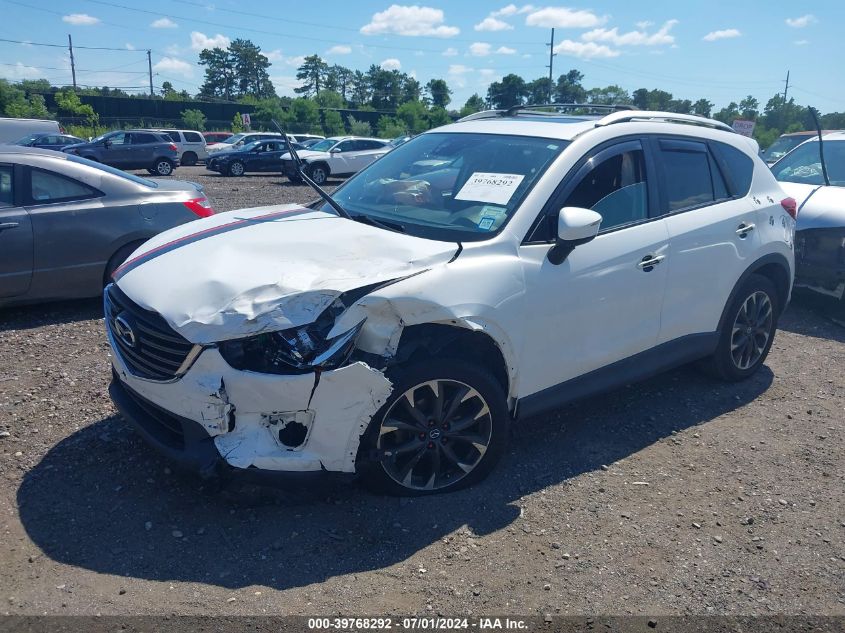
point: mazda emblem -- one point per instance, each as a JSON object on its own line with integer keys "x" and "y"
{"x": 123, "y": 330}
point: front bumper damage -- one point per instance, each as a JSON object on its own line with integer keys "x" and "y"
{"x": 213, "y": 413}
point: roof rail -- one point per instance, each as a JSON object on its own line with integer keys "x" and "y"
{"x": 667, "y": 117}
{"x": 536, "y": 108}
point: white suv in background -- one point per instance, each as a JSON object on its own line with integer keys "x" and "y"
{"x": 338, "y": 156}
{"x": 398, "y": 331}
{"x": 191, "y": 145}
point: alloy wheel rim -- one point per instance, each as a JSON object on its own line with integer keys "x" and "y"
{"x": 435, "y": 434}
{"x": 751, "y": 330}
{"x": 319, "y": 176}
{"x": 163, "y": 168}
{"x": 237, "y": 169}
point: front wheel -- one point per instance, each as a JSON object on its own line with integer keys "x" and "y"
{"x": 163, "y": 167}
{"x": 236, "y": 168}
{"x": 748, "y": 331}
{"x": 443, "y": 428}
{"x": 318, "y": 173}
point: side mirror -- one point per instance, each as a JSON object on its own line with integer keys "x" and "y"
{"x": 335, "y": 150}
{"x": 575, "y": 226}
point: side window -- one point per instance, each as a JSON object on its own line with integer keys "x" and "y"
{"x": 736, "y": 166}
{"x": 687, "y": 178}
{"x": 119, "y": 139}
{"x": 370, "y": 145}
{"x": 174, "y": 136}
{"x": 346, "y": 146}
{"x": 49, "y": 187}
{"x": 7, "y": 198}
{"x": 193, "y": 137}
{"x": 50, "y": 140}
{"x": 615, "y": 188}
{"x": 140, "y": 138}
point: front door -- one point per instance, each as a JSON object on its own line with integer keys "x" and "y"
{"x": 16, "y": 244}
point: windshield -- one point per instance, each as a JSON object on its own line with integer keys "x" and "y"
{"x": 323, "y": 146}
{"x": 450, "y": 186}
{"x": 804, "y": 165}
{"x": 152, "y": 184}
{"x": 250, "y": 146}
{"x": 233, "y": 139}
{"x": 26, "y": 140}
{"x": 783, "y": 146}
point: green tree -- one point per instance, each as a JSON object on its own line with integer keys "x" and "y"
{"x": 390, "y": 127}
{"x": 474, "y": 104}
{"x": 167, "y": 89}
{"x": 609, "y": 95}
{"x": 728, "y": 113}
{"x": 32, "y": 107}
{"x": 329, "y": 99}
{"x": 568, "y": 88}
{"x": 508, "y": 92}
{"x": 68, "y": 102}
{"x": 193, "y": 119}
{"x": 749, "y": 107}
{"x": 385, "y": 87}
{"x": 537, "y": 91}
{"x": 333, "y": 123}
{"x": 414, "y": 115}
{"x": 360, "y": 89}
{"x": 237, "y": 123}
{"x": 438, "y": 116}
{"x": 304, "y": 117}
{"x": 312, "y": 74}
{"x": 438, "y": 93}
{"x": 702, "y": 107}
{"x": 410, "y": 89}
{"x": 359, "y": 128}
{"x": 219, "y": 74}
{"x": 251, "y": 66}
{"x": 682, "y": 106}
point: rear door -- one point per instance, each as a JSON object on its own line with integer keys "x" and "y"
{"x": 194, "y": 142}
{"x": 16, "y": 242}
{"x": 367, "y": 152}
{"x": 714, "y": 229}
{"x": 145, "y": 149}
{"x": 342, "y": 157}
{"x": 271, "y": 156}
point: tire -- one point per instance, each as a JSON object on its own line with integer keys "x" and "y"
{"x": 236, "y": 168}
{"x": 436, "y": 454}
{"x": 189, "y": 159}
{"x": 117, "y": 259}
{"x": 295, "y": 180}
{"x": 748, "y": 330}
{"x": 163, "y": 167}
{"x": 319, "y": 173}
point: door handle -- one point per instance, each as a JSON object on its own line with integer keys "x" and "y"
{"x": 744, "y": 229}
{"x": 649, "y": 262}
{"x": 8, "y": 225}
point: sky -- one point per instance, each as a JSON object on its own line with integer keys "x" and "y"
{"x": 719, "y": 50}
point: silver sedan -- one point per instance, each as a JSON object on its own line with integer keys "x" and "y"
{"x": 66, "y": 223}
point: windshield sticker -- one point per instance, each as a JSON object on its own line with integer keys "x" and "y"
{"x": 489, "y": 187}
{"x": 486, "y": 223}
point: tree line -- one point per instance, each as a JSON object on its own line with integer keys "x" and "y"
{"x": 240, "y": 73}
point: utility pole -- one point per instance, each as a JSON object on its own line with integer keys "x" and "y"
{"x": 552, "y": 54}
{"x": 72, "y": 63}
{"x": 150, "y": 67}
{"x": 786, "y": 88}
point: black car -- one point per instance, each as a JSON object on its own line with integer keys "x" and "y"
{"x": 48, "y": 141}
{"x": 255, "y": 157}
{"x": 131, "y": 149}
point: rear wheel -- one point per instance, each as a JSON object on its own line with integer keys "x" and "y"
{"x": 749, "y": 330}
{"x": 236, "y": 168}
{"x": 443, "y": 428}
{"x": 189, "y": 159}
{"x": 117, "y": 259}
{"x": 163, "y": 167}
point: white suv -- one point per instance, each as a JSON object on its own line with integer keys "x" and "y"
{"x": 540, "y": 259}
{"x": 190, "y": 143}
{"x": 338, "y": 156}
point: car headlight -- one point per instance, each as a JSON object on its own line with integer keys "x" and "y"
{"x": 296, "y": 350}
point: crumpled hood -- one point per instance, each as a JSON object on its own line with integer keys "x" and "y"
{"x": 243, "y": 272}
{"x": 819, "y": 206}
{"x": 307, "y": 153}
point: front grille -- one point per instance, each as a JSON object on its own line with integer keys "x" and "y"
{"x": 158, "y": 352}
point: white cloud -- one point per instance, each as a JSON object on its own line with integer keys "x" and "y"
{"x": 801, "y": 42}
{"x": 492, "y": 24}
{"x": 411, "y": 21}
{"x": 80, "y": 19}
{"x": 800, "y": 23}
{"x": 174, "y": 66}
{"x": 285, "y": 84}
{"x": 129, "y": 47}
{"x": 275, "y": 55}
{"x": 173, "y": 49}
{"x": 632, "y": 38}
{"x": 295, "y": 61}
{"x": 391, "y": 64}
{"x": 505, "y": 50}
{"x": 339, "y": 49}
{"x": 164, "y": 23}
{"x": 457, "y": 75}
{"x": 450, "y": 52}
{"x": 512, "y": 9}
{"x": 479, "y": 49}
{"x": 21, "y": 71}
{"x": 724, "y": 34}
{"x": 644, "y": 24}
{"x": 585, "y": 50}
{"x": 562, "y": 17}
{"x": 201, "y": 41}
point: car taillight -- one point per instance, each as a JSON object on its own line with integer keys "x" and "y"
{"x": 173, "y": 147}
{"x": 790, "y": 206}
{"x": 200, "y": 206}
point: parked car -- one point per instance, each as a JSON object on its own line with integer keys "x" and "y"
{"x": 400, "y": 140}
{"x": 785, "y": 143}
{"x": 66, "y": 223}
{"x": 257, "y": 156}
{"x": 820, "y": 233}
{"x": 191, "y": 145}
{"x": 131, "y": 149}
{"x": 52, "y": 141}
{"x": 239, "y": 140}
{"x": 338, "y": 156}
{"x": 301, "y": 138}
{"x": 13, "y": 129}
{"x": 398, "y": 331}
{"x": 216, "y": 137}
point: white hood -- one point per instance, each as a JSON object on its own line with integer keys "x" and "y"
{"x": 305, "y": 154}
{"x": 243, "y": 272}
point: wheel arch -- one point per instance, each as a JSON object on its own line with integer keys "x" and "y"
{"x": 321, "y": 163}
{"x": 774, "y": 267}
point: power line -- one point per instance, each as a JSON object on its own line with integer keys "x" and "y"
{"x": 29, "y": 6}
{"x": 89, "y": 48}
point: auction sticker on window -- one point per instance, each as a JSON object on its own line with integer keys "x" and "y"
{"x": 489, "y": 187}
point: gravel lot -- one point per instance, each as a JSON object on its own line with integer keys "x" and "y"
{"x": 675, "y": 496}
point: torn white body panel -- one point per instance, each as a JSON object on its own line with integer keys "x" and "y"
{"x": 334, "y": 413}
{"x": 264, "y": 269}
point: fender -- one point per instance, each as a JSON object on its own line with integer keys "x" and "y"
{"x": 772, "y": 258}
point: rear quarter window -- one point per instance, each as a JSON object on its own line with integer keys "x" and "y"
{"x": 736, "y": 166}
{"x": 193, "y": 137}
